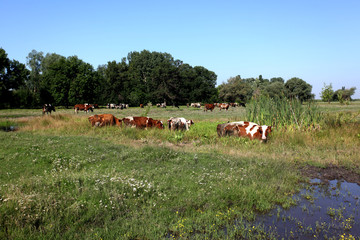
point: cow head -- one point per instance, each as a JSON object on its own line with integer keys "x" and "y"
{"x": 159, "y": 124}
{"x": 190, "y": 122}
{"x": 264, "y": 132}
{"x": 118, "y": 122}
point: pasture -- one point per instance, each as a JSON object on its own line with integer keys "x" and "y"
{"x": 60, "y": 178}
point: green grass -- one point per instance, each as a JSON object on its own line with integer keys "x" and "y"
{"x": 84, "y": 187}
{"x": 62, "y": 179}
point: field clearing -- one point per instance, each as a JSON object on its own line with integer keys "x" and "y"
{"x": 61, "y": 178}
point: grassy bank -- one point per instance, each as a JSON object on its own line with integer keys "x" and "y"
{"x": 60, "y": 178}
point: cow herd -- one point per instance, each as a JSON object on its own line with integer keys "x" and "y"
{"x": 238, "y": 129}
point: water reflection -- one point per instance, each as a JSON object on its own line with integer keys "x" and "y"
{"x": 324, "y": 210}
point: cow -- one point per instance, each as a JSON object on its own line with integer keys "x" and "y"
{"x": 47, "y": 108}
{"x": 224, "y": 106}
{"x": 141, "y": 105}
{"x": 162, "y": 105}
{"x": 179, "y": 123}
{"x": 142, "y": 122}
{"x": 209, "y": 107}
{"x": 196, "y": 105}
{"x": 83, "y": 107}
{"x": 104, "y": 120}
{"x": 110, "y": 105}
{"x": 244, "y": 129}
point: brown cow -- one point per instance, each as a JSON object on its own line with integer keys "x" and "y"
{"x": 83, "y": 107}
{"x": 244, "y": 129}
{"x": 209, "y": 107}
{"x": 104, "y": 120}
{"x": 142, "y": 122}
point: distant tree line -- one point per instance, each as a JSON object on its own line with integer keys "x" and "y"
{"x": 241, "y": 90}
{"x": 139, "y": 78}
{"x": 142, "y": 77}
{"x": 328, "y": 94}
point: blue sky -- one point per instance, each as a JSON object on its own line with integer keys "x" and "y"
{"x": 316, "y": 40}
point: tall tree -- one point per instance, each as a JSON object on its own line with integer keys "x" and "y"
{"x": 298, "y": 88}
{"x": 33, "y": 61}
{"x": 235, "y": 90}
{"x": 13, "y": 75}
{"x": 275, "y": 89}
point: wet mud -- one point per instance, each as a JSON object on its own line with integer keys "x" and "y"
{"x": 331, "y": 172}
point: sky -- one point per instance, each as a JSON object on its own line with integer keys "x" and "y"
{"x": 315, "y": 40}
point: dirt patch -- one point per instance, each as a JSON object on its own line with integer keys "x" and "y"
{"x": 331, "y": 172}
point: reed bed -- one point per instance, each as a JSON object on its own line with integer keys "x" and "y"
{"x": 284, "y": 113}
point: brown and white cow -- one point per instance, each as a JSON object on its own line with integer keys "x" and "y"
{"x": 142, "y": 122}
{"x": 104, "y": 120}
{"x": 244, "y": 129}
{"x": 209, "y": 107}
{"x": 224, "y": 106}
{"x": 83, "y": 107}
{"x": 179, "y": 123}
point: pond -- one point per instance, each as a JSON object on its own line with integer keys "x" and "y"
{"x": 324, "y": 210}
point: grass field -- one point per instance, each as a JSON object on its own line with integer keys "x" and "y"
{"x": 62, "y": 179}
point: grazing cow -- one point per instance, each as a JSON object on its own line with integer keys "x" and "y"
{"x": 244, "y": 129}
{"x": 141, "y": 105}
{"x": 83, "y": 107}
{"x": 179, "y": 123}
{"x": 111, "y": 105}
{"x": 104, "y": 120}
{"x": 209, "y": 107}
{"x": 162, "y": 105}
{"x": 47, "y": 108}
{"x": 224, "y": 106}
{"x": 197, "y": 105}
{"x": 242, "y": 104}
{"x": 142, "y": 122}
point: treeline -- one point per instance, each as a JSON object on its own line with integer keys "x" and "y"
{"x": 139, "y": 78}
{"x": 241, "y": 90}
{"x": 142, "y": 77}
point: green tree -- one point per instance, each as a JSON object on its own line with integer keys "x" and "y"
{"x": 275, "y": 89}
{"x": 344, "y": 93}
{"x": 327, "y": 93}
{"x": 299, "y": 89}
{"x": 33, "y": 61}
{"x": 235, "y": 90}
{"x": 13, "y": 76}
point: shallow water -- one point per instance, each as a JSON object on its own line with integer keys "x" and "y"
{"x": 8, "y": 129}
{"x": 323, "y": 210}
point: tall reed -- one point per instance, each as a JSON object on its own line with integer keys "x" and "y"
{"x": 283, "y": 113}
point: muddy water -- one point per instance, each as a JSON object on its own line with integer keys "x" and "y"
{"x": 328, "y": 210}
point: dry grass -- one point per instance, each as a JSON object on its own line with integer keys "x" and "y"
{"x": 333, "y": 145}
